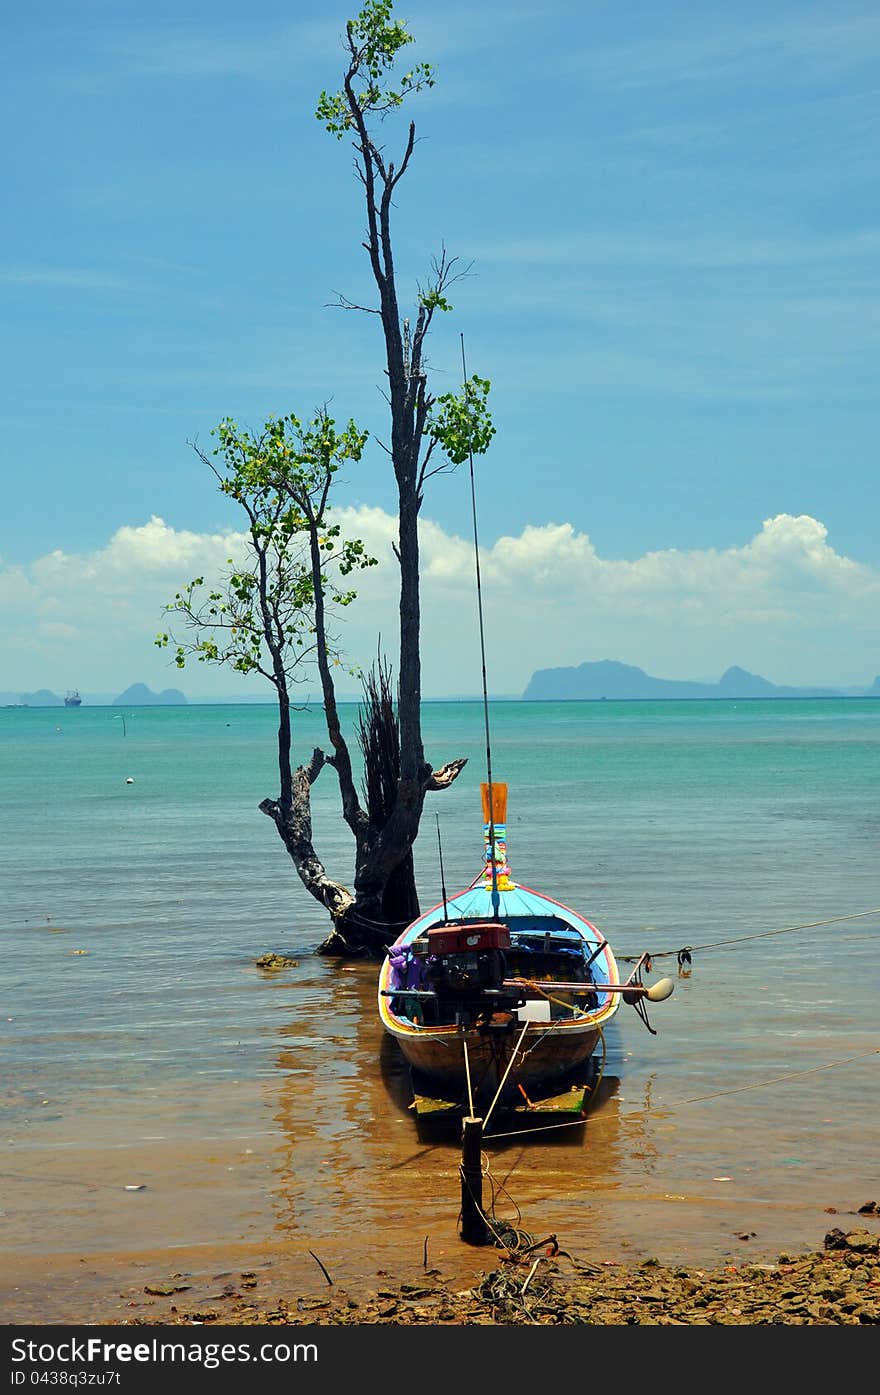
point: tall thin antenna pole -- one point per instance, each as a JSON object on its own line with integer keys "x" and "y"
{"x": 495, "y": 897}
{"x": 442, "y": 878}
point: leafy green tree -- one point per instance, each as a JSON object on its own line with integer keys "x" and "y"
{"x": 271, "y": 615}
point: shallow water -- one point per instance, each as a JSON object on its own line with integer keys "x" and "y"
{"x": 270, "y": 1108}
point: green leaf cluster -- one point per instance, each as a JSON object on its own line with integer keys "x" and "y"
{"x": 434, "y": 300}
{"x": 460, "y": 423}
{"x": 259, "y": 616}
{"x": 375, "y": 40}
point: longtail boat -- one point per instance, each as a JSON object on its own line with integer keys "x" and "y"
{"x": 499, "y": 996}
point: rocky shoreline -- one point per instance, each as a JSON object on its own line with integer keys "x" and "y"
{"x": 544, "y": 1285}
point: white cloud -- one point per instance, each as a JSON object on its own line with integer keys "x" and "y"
{"x": 784, "y": 603}
{"x": 89, "y": 619}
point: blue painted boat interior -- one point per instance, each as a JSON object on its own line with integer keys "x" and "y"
{"x": 545, "y": 936}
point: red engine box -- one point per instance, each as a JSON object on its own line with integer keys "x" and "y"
{"x": 468, "y": 939}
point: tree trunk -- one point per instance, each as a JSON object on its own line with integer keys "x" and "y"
{"x": 294, "y": 823}
{"x": 400, "y": 902}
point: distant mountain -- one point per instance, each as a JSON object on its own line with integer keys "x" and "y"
{"x": 139, "y": 695}
{"x": 41, "y": 698}
{"x": 609, "y": 679}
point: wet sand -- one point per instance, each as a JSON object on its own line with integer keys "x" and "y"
{"x": 95, "y": 1226}
{"x": 184, "y": 1187}
{"x": 539, "y": 1283}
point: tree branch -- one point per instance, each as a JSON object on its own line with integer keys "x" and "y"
{"x": 351, "y": 808}
{"x": 395, "y": 179}
{"x": 343, "y": 303}
{"x": 294, "y": 823}
{"x": 443, "y": 777}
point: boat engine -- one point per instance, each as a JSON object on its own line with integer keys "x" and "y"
{"x": 467, "y": 967}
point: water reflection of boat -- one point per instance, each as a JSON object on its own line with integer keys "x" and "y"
{"x": 499, "y": 996}
{"x": 343, "y": 1161}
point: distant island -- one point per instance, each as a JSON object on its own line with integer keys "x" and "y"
{"x": 607, "y": 678}
{"x": 588, "y": 682}
{"x": 139, "y": 695}
{"x": 41, "y": 698}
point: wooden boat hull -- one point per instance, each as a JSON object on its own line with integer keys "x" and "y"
{"x": 439, "y": 1052}
{"x": 470, "y": 1060}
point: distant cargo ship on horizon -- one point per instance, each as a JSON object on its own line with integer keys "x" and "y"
{"x": 73, "y": 699}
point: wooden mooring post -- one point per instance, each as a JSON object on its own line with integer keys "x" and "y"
{"x": 473, "y": 1223}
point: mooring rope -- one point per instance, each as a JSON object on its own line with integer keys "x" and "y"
{"x": 699, "y": 1099}
{"x": 513, "y": 1056}
{"x": 569, "y": 1123}
{"x": 499, "y": 1189}
{"x": 502, "y": 1287}
{"x": 516, "y": 1238}
{"x": 467, "y": 1071}
{"x": 761, "y": 935}
{"x": 772, "y": 1080}
{"x": 361, "y": 919}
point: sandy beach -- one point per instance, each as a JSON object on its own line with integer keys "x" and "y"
{"x": 535, "y": 1280}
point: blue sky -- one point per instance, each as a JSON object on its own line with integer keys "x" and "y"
{"x": 671, "y": 216}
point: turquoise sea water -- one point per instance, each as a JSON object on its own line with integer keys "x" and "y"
{"x": 668, "y": 824}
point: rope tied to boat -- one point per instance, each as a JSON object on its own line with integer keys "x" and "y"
{"x": 505, "y": 1289}
{"x": 593, "y": 1093}
{"x": 684, "y": 954}
{"x": 665, "y": 1110}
